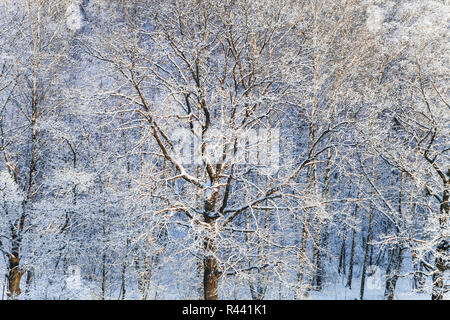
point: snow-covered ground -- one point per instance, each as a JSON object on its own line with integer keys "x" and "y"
{"x": 339, "y": 291}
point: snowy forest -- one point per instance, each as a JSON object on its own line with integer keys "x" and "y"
{"x": 224, "y": 149}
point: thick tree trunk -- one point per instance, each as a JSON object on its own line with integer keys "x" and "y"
{"x": 211, "y": 273}
{"x": 14, "y": 277}
{"x": 316, "y": 256}
{"x": 392, "y": 273}
{"x": 441, "y": 258}
{"x": 319, "y": 276}
{"x": 14, "y": 272}
{"x": 439, "y": 289}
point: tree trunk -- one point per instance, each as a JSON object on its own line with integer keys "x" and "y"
{"x": 366, "y": 255}
{"x": 316, "y": 278}
{"x": 342, "y": 257}
{"x": 439, "y": 289}
{"x": 302, "y": 258}
{"x": 396, "y": 259}
{"x": 419, "y": 279}
{"x": 29, "y": 281}
{"x": 124, "y": 289}
{"x": 103, "y": 275}
{"x": 14, "y": 277}
{"x": 392, "y": 275}
{"x": 211, "y": 273}
{"x": 443, "y": 247}
{"x": 368, "y": 239}
{"x": 352, "y": 250}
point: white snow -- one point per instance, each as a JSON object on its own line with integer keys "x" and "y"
{"x": 74, "y": 18}
{"x": 375, "y": 18}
